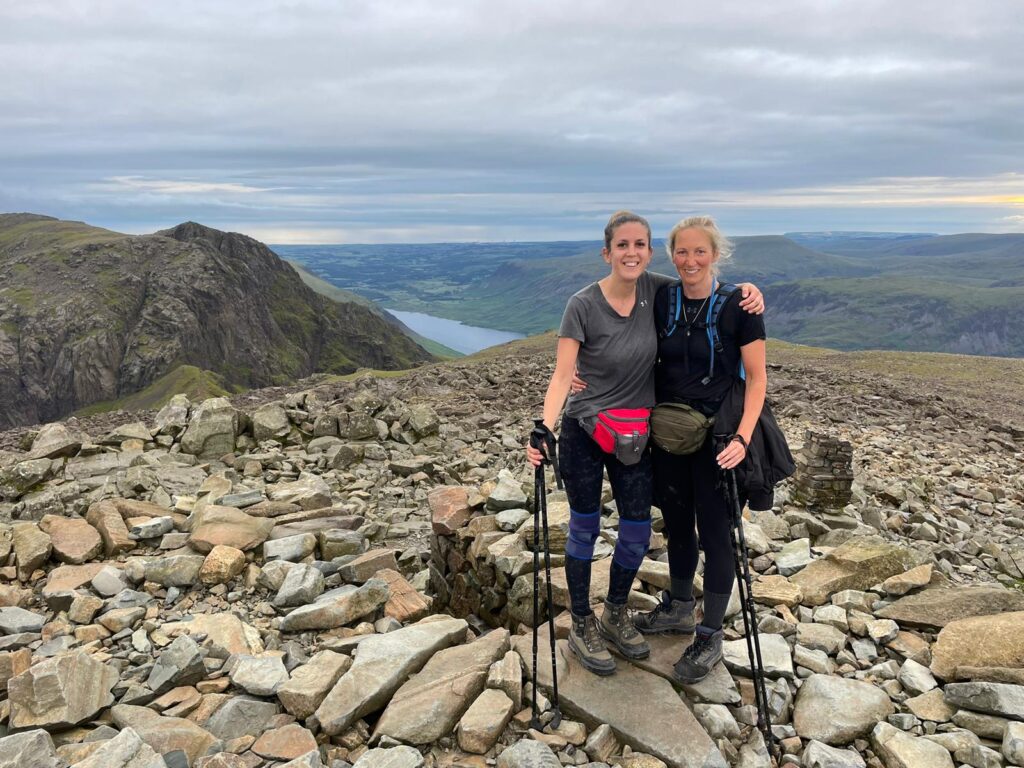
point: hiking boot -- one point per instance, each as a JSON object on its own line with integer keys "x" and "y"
{"x": 700, "y": 658}
{"x": 617, "y": 628}
{"x": 588, "y": 646}
{"x": 670, "y": 617}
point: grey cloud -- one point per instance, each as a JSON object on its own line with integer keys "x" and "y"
{"x": 378, "y": 117}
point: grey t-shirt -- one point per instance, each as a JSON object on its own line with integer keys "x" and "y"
{"x": 617, "y": 353}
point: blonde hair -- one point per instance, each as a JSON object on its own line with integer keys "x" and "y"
{"x": 720, "y": 244}
{"x": 618, "y": 219}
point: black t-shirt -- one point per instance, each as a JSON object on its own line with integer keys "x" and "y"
{"x": 683, "y": 359}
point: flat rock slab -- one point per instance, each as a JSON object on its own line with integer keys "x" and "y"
{"x": 32, "y": 749}
{"x": 935, "y": 608}
{"x": 405, "y": 604}
{"x": 331, "y": 610}
{"x": 74, "y": 541}
{"x": 717, "y": 688}
{"x": 382, "y": 664}
{"x": 836, "y": 710}
{"x": 228, "y": 526}
{"x": 484, "y": 721}
{"x": 60, "y": 692}
{"x": 775, "y": 654}
{"x": 431, "y": 702}
{"x": 15, "y": 620}
{"x": 226, "y": 634}
{"x": 164, "y": 734}
{"x": 528, "y": 754}
{"x": 989, "y": 698}
{"x": 126, "y": 750}
{"x": 394, "y": 757}
{"x": 642, "y": 708}
{"x": 241, "y": 716}
{"x": 449, "y": 508}
{"x": 310, "y": 683}
{"x": 897, "y": 748}
{"x": 857, "y": 564}
{"x": 981, "y": 641}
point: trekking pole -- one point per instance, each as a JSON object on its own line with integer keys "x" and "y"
{"x": 741, "y": 557}
{"x": 540, "y": 519}
{"x": 537, "y": 482}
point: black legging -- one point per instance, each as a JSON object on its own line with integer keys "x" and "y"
{"x": 582, "y": 464}
{"x": 685, "y": 490}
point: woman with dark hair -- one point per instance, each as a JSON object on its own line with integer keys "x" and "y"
{"x": 608, "y": 334}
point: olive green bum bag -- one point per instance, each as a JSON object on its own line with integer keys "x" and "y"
{"x": 677, "y": 428}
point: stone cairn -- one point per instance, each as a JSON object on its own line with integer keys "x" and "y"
{"x": 481, "y": 560}
{"x": 824, "y": 472}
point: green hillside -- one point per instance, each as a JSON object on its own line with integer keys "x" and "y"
{"x": 962, "y": 293}
{"x": 898, "y": 313}
{"x": 340, "y": 295}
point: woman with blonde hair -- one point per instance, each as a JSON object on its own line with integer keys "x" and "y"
{"x": 705, "y": 343}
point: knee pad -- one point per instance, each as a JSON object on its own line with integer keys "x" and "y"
{"x": 583, "y": 532}
{"x": 634, "y": 540}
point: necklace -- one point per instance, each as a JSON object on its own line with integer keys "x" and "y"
{"x": 689, "y": 322}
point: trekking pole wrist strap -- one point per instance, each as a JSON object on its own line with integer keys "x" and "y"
{"x": 742, "y": 440}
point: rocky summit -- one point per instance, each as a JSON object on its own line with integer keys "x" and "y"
{"x": 340, "y": 574}
{"x": 91, "y": 316}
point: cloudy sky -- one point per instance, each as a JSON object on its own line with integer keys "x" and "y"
{"x": 336, "y": 121}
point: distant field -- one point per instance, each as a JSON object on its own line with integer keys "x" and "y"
{"x": 955, "y": 293}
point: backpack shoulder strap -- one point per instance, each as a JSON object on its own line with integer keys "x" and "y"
{"x": 675, "y": 306}
{"x": 722, "y": 293}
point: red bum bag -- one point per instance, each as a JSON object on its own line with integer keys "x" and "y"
{"x": 622, "y": 432}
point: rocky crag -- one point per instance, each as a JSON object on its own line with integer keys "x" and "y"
{"x": 88, "y": 315}
{"x": 333, "y": 575}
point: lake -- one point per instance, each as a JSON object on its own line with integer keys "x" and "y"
{"x": 462, "y": 338}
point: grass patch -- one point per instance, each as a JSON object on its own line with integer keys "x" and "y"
{"x": 46, "y": 233}
{"x": 185, "y": 379}
{"x": 24, "y": 297}
{"x": 363, "y": 373}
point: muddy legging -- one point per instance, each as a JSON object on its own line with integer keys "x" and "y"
{"x": 582, "y": 463}
{"x": 685, "y": 491}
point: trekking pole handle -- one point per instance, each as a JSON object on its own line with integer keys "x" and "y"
{"x": 543, "y": 439}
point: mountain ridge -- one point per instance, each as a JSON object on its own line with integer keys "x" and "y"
{"x": 89, "y": 315}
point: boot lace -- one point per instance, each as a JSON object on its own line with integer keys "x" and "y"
{"x": 700, "y": 644}
{"x": 591, "y": 635}
{"x": 664, "y": 607}
{"x": 623, "y": 621}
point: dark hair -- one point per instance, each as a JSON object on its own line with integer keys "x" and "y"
{"x": 624, "y": 217}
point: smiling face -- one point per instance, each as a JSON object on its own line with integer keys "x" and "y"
{"x": 694, "y": 256}
{"x": 629, "y": 252}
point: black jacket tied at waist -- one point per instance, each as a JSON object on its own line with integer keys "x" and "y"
{"x": 768, "y": 461}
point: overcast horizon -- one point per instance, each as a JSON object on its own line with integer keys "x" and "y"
{"x": 355, "y": 122}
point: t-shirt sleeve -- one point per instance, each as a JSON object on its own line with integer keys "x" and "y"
{"x": 751, "y": 327}
{"x": 573, "y": 324}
